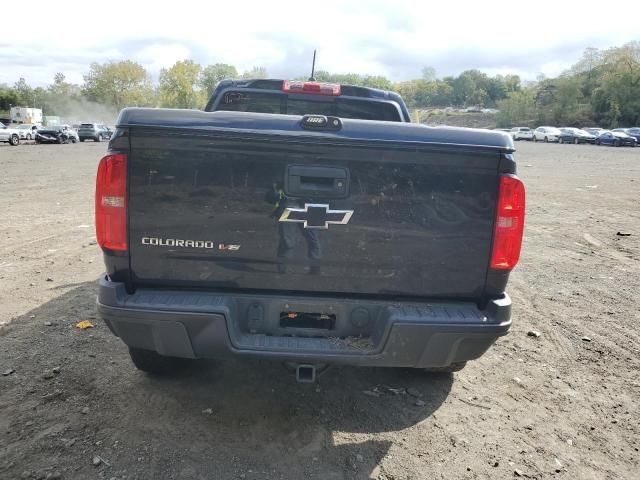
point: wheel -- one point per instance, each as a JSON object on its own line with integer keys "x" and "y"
{"x": 82, "y": 139}
{"x": 14, "y": 140}
{"x": 560, "y": 141}
{"x": 99, "y": 138}
{"x": 546, "y": 140}
{"x": 156, "y": 364}
{"x": 28, "y": 136}
{"x": 72, "y": 140}
{"x": 616, "y": 143}
{"x": 535, "y": 139}
{"x": 597, "y": 142}
{"x": 454, "y": 367}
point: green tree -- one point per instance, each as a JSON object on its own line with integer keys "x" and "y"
{"x": 41, "y": 99}
{"x": 518, "y": 109}
{"x": 470, "y": 88}
{"x": 620, "y": 85}
{"x": 408, "y": 91}
{"x": 255, "y": 72}
{"x": 179, "y": 85}
{"x": 568, "y": 106}
{"x": 589, "y": 69}
{"x": 212, "y": 74}
{"x": 495, "y": 88}
{"x": 8, "y": 98}
{"x": 24, "y": 93}
{"x": 614, "y": 114}
{"x": 120, "y": 84}
{"x": 512, "y": 83}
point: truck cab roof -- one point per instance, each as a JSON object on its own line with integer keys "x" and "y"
{"x": 299, "y": 97}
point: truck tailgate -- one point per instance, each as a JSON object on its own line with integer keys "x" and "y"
{"x": 216, "y": 209}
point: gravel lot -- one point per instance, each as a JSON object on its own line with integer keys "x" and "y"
{"x": 561, "y": 405}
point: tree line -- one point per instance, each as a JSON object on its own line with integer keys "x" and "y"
{"x": 116, "y": 85}
{"x": 602, "y": 88}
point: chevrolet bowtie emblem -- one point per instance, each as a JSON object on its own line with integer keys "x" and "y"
{"x": 315, "y": 215}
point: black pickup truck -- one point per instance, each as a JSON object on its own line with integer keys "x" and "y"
{"x": 308, "y": 223}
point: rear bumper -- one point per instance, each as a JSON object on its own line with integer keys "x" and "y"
{"x": 193, "y": 324}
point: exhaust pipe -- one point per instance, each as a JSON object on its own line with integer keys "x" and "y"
{"x": 305, "y": 373}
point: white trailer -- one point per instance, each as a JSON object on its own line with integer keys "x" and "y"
{"x": 26, "y": 115}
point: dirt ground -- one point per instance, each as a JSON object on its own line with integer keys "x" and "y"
{"x": 561, "y": 405}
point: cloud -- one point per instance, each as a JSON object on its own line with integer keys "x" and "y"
{"x": 377, "y": 37}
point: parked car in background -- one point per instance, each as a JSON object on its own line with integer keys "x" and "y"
{"x": 521, "y": 133}
{"x": 94, "y": 131}
{"x": 575, "y": 135}
{"x": 56, "y": 134}
{"x": 546, "y": 134}
{"x": 27, "y": 131}
{"x": 632, "y": 132}
{"x": 595, "y": 131}
{"x": 9, "y": 135}
{"x": 616, "y": 139}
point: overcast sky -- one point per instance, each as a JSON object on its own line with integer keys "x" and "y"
{"x": 393, "y": 38}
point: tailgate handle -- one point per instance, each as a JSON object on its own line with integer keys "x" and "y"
{"x": 316, "y": 180}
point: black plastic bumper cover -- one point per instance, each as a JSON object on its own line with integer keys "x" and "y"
{"x": 205, "y": 325}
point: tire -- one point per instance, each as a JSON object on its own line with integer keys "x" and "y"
{"x": 28, "y": 136}
{"x": 534, "y": 139}
{"x": 616, "y": 143}
{"x": 560, "y": 141}
{"x": 82, "y": 139}
{"x": 72, "y": 140}
{"x": 454, "y": 367}
{"x": 546, "y": 140}
{"x": 14, "y": 140}
{"x": 155, "y": 364}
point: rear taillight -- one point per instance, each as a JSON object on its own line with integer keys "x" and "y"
{"x": 111, "y": 202}
{"x": 509, "y": 223}
{"x": 314, "y": 88}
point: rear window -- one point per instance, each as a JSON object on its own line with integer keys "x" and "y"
{"x": 262, "y": 102}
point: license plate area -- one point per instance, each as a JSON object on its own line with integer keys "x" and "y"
{"x": 307, "y": 320}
